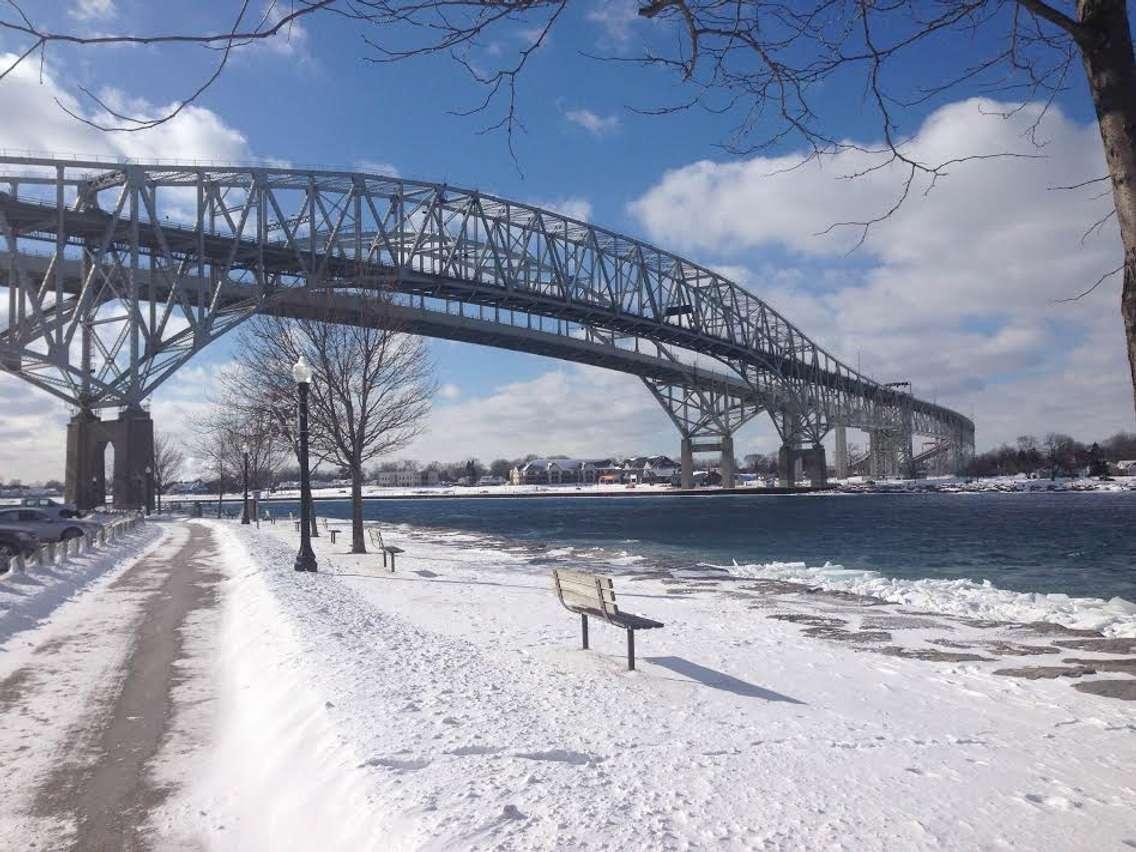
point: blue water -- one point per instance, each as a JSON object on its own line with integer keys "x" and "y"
{"x": 1082, "y": 544}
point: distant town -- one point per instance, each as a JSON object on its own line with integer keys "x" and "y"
{"x": 1054, "y": 456}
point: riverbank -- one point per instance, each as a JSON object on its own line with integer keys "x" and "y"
{"x": 856, "y": 485}
{"x": 449, "y": 705}
{"x": 452, "y": 703}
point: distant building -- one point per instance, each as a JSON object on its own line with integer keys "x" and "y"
{"x": 1125, "y": 468}
{"x": 402, "y": 478}
{"x": 491, "y": 480}
{"x": 556, "y": 472}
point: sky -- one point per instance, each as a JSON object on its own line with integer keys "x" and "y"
{"x": 959, "y": 292}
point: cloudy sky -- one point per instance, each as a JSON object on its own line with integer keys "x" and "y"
{"x": 959, "y": 291}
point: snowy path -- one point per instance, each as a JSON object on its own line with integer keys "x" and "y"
{"x": 91, "y": 688}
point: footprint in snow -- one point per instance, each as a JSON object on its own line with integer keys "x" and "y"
{"x": 396, "y": 764}
{"x": 574, "y": 758}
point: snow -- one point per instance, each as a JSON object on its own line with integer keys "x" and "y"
{"x": 448, "y": 705}
{"x": 26, "y": 598}
{"x": 81, "y": 636}
{"x": 969, "y": 598}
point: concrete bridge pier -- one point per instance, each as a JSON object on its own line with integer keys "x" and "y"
{"x": 816, "y": 466}
{"x": 726, "y": 464}
{"x": 686, "y": 464}
{"x": 840, "y": 460}
{"x": 795, "y": 463}
{"x": 878, "y": 455}
{"x": 723, "y": 444}
{"x": 131, "y": 435}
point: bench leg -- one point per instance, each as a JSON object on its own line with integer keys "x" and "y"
{"x": 631, "y": 650}
{"x": 384, "y": 559}
{"x": 584, "y": 628}
{"x": 392, "y": 563}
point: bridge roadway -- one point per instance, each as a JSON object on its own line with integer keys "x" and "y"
{"x": 684, "y": 316}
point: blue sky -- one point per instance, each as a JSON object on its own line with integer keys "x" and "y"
{"x": 957, "y": 293}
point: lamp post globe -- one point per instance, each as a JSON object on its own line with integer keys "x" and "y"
{"x": 305, "y": 559}
{"x": 245, "y": 509}
{"x": 149, "y": 489}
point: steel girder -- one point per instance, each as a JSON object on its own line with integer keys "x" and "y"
{"x": 148, "y": 263}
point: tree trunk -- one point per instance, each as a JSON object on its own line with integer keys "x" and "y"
{"x": 357, "y": 545}
{"x": 1106, "y": 47}
{"x": 220, "y": 490}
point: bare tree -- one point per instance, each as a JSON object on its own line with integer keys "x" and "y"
{"x": 371, "y": 384}
{"x": 168, "y": 462}
{"x": 213, "y": 438}
{"x": 765, "y": 61}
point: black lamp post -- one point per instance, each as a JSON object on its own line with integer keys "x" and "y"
{"x": 305, "y": 559}
{"x": 245, "y": 512}
{"x": 149, "y": 489}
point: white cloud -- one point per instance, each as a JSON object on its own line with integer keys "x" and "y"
{"x": 195, "y": 134}
{"x": 595, "y": 124}
{"x": 93, "y": 10}
{"x": 573, "y": 207}
{"x": 615, "y": 19}
{"x": 34, "y": 423}
{"x": 557, "y": 412}
{"x": 956, "y": 291}
{"x": 377, "y": 167}
{"x": 449, "y": 391}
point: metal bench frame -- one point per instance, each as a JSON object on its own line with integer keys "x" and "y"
{"x": 594, "y": 595}
{"x": 376, "y": 536}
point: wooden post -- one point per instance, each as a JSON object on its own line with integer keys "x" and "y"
{"x": 631, "y": 650}
{"x": 584, "y": 628}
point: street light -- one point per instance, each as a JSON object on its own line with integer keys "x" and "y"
{"x": 149, "y": 488}
{"x": 245, "y": 512}
{"x": 305, "y": 559}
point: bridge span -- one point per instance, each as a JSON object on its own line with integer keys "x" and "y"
{"x": 118, "y": 273}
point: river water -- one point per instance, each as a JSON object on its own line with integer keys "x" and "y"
{"x": 1080, "y": 544}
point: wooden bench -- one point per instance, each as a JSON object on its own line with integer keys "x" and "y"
{"x": 333, "y": 534}
{"x": 388, "y": 550}
{"x": 594, "y": 594}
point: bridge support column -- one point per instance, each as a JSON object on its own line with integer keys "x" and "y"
{"x": 787, "y": 466}
{"x": 877, "y": 454}
{"x": 85, "y": 479}
{"x": 816, "y": 466}
{"x": 726, "y": 467}
{"x": 686, "y": 474}
{"x": 840, "y": 459}
{"x": 131, "y": 435}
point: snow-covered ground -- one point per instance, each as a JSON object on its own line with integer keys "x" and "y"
{"x": 449, "y": 706}
{"x": 26, "y": 598}
{"x": 63, "y": 635}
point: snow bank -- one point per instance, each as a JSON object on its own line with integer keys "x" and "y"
{"x": 970, "y": 598}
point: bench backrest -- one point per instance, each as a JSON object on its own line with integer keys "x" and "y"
{"x": 376, "y": 536}
{"x": 581, "y": 590}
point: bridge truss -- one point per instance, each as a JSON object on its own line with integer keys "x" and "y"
{"x": 118, "y": 273}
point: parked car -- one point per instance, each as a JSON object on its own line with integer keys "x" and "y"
{"x": 43, "y": 526}
{"x": 16, "y": 543}
{"x": 51, "y": 507}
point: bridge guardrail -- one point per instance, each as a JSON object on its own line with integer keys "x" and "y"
{"x": 53, "y": 553}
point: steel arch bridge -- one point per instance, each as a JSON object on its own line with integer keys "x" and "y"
{"x": 118, "y": 273}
